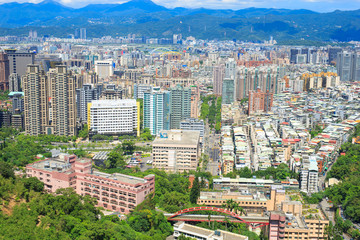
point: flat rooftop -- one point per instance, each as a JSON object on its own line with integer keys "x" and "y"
{"x": 177, "y": 137}
{"x": 203, "y": 232}
{"x": 120, "y": 177}
{"x": 232, "y": 195}
{"x": 52, "y": 165}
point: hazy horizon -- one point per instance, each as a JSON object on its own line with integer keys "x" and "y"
{"x": 313, "y": 5}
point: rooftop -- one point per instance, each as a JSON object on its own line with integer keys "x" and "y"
{"x": 120, "y": 177}
{"x": 177, "y": 137}
{"x": 113, "y": 103}
{"x": 52, "y": 165}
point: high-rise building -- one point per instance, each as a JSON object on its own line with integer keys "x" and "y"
{"x": 157, "y": 111}
{"x": 85, "y": 95}
{"x": 49, "y": 101}
{"x": 267, "y": 78}
{"x": 355, "y": 67}
{"x": 82, "y": 33}
{"x": 113, "y": 117}
{"x": 4, "y": 72}
{"x": 63, "y": 102}
{"x": 230, "y": 69}
{"x": 293, "y": 53}
{"x": 195, "y": 101}
{"x": 35, "y": 100}
{"x": 180, "y": 105}
{"x": 332, "y": 53}
{"x": 104, "y": 68}
{"x": 140, "y": 89}
{"x": 18, "y": 61}
{"x": 259, "y": 101}
{"x": 348, "y": 66}
{"x": 218, "y": 77}
{"x": 17, "y": 99}
{"x": 14, "y": 82}
{"x": 228, "y": 90}
{"x": 343, "y": 65}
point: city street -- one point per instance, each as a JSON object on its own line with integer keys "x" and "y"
{"x": 212, "y": 149}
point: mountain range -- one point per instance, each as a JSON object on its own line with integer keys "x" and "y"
{"x": 145, "y": 18}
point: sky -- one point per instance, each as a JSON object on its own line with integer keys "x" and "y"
{"x": 315, "y": 5}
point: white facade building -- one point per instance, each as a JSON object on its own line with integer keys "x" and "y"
{"x": 104, "y": 68}
{"x": 113, "y": 116}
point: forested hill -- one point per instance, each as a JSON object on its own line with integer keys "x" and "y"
{"x": 145, "y": 18}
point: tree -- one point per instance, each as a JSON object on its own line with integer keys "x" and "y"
{"x": 146, "y": 135}
{"x": 195, "y": 191}
{"x": 6, "y": 170}
{"x": 128, "y": 146}
{"x": 84, "y": 132}
{"x": 115, "y": 159}
{"x": 32, "y": 183}
{"x": 218, "y": 127}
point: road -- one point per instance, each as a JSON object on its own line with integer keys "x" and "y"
{"x": 211, "y": 145}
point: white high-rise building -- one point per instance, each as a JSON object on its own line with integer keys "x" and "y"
{"x": 113, "y": 117}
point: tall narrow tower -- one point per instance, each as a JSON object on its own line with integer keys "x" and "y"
{"x": 35, "y": 100}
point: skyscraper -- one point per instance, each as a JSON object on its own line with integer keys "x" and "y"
{"x": 355, "y": 67}
{"x": 63, "y": 102}
{"x": 157, "y": 111}
{"x": 230, "y": 69}
{"x": 49, "y": 101}
{"x": 332, "y": 53}
{"x": 85, "y": 95}
{"x": 83, "y": 33}
{"x": 4, "y": 72}
{"x": 228, "y": 90}
{"x": 35, "y": 100}
{"x": 218, "y": 77}
{"x": 344, "y": 65}
{"x": 180, "y": 106}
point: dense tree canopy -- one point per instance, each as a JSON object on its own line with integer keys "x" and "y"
{"x": 26, "y": 212}
{"x": 347, "y": 169}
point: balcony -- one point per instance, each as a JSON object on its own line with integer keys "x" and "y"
{"x": 113, "y": 190}
{"x": 105, "y": 194}
{"x": 113, "y": 196}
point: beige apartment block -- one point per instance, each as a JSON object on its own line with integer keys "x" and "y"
{"x": 176, "y": 150}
